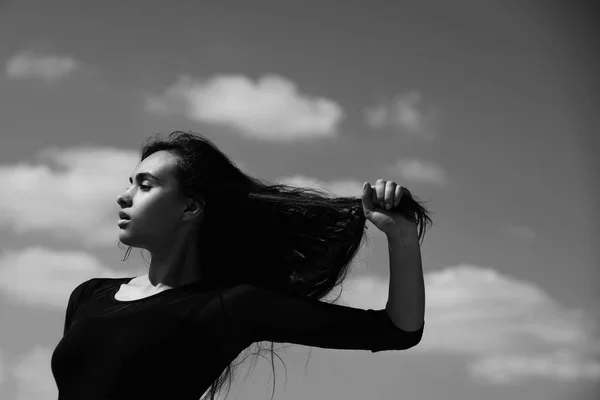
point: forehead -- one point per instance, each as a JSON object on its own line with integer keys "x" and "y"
{"x": 160, "y": 164}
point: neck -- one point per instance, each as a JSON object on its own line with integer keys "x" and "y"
{"x": 177, "y": 265}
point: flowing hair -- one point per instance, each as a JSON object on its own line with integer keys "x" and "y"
{"x": 286, "y": 238}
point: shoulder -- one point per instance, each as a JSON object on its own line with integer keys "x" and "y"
{"x": 78, "y": 295}
{"x": 82, "y": 287}
{"x": 86, "y": 288}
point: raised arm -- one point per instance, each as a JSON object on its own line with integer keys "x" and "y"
{"x": 259, "y": 315}
{"x": 406, "y": 301}
{"x": 406, "y": 296}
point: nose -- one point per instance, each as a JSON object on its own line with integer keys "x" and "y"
{"x": 121, "y": 201}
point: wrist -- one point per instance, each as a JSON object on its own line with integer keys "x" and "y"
{"x": 403, "y": 236}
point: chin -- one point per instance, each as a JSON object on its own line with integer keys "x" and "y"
{"x": 127, "y": 239}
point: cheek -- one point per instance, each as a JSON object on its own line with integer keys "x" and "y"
{"x": 160, "y": 213}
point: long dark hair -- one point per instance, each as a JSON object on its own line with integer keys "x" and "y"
{"x": 297, "y": 240}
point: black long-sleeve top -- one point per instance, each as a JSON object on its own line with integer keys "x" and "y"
{"x": 174, "y": 344}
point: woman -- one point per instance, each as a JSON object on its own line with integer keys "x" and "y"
{"x": 234, "y": 261}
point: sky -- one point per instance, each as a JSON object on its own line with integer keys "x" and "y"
{"x": 484, "y": 110}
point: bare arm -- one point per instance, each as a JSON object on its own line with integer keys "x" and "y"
{"x": 406, "y": 298}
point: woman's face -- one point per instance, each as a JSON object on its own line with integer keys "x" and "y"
{"x": 154, "y": 204}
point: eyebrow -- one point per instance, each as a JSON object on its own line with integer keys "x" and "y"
{"x": 144, "y": 175}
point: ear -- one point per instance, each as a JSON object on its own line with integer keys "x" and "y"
{"x": 195, "y": 208}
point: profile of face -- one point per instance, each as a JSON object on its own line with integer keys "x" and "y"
{"x": 158, "y": 212}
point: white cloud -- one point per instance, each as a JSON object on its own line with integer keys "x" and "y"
{"x": 340, "y": 187}
{"x": 43, "y": 277}
{"x": 26, "y": 64}
{"x": 271, "y": 109}
{"x": 403, "y": 113}
{"x": 33, "y": 375}
{"x": 415, "y": 170}
{"x": 562, "y": 365}
{"x": 510, "y": 329}
{"x": 477, "y": 310}
{"x": 79, "y": 194}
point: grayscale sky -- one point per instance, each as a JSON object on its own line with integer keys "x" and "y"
{"x": 485, "y": 110}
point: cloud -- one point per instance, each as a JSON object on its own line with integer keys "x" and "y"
{"x": 33, "y": 375}
{"x": 510, "y": 330}
{"x": 415, "y": 170}
{"x": 340, "y": 187}
{"x": 401, "y": 113}
{"x": 43, "y": 277}
{"x": 272, "y": 109}
{"x": 26, "y": 64}
{"x": 79, "y": 198}
{"x": 563, "y": 365}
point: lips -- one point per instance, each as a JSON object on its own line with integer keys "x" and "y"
{"x": 123, "y": 215}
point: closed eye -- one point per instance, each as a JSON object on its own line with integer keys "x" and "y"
{"x": 143, "y": 187}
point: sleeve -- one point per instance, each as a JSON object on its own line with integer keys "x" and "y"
{"x": 74, "y": 300}
{"x": 262, "y": 315}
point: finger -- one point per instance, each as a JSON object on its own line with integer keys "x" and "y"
{"x": 366, "y": 197}
{"x": 379, "y": 194}
{"x": 374, "y": 198}
{"x": 398, "y": 195}
{"x": 390, "y": 189}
